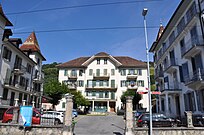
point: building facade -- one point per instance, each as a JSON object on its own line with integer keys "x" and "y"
{"x": 20, "y": 69}
{"x": 103, "y": 78}
{"x": 179, "y": 58}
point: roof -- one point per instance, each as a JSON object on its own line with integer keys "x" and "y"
{"x": 8, "y": 23}
{"x": 31, "y": 45}
{"x": 124, "y": 60}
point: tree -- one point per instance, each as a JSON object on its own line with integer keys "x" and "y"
{"x": 134, "y": 94}
{"x": 55, "y": 90}
{"x": 78, "y": 99}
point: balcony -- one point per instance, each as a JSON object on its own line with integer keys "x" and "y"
{"x": 38, "y": 79}
{"x": 72, "y": 77}
{"x": 174, "y": 88}
{"x": 102, "y": 88}
{"x": 15, "y": 85}
{"x": 132, "y": 76}
{"x": 192, "y": 47}
{"x": 171, "y": 66}
{"x": 101, "y": 76}
{"x": 72, "y": 86}
{"x": 19, "y": 69}
{"x": 132, "y": 87}
{"x": 195, "y": 80}
{"x": 159, "y": 75}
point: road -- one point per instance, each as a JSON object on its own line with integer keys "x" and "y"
{"x": 100, "y": 125}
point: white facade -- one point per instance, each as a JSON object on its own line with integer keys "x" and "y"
{"x": 100, "y": 81}
{"x": 179, "y": 61}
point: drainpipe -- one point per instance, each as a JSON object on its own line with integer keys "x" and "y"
{"x": 200, "y": 18}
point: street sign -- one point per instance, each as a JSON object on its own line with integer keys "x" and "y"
{"x": 25, "y": 117}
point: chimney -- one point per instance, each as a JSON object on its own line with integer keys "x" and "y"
{"x": 7, "y": 33}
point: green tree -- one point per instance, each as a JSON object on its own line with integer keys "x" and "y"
{"x": 135, "y": 100}
{"x": 78, "y": 99}
{"x": 55, "y": 90}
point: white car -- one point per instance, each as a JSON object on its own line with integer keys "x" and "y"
{"x": 57, "y": 116}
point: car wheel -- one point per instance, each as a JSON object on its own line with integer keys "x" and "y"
{"x": 173, "y": 124}
{"x": 56, "y": 122}
{"x": 145, "y": 125}
{"x": 9, "y": 121}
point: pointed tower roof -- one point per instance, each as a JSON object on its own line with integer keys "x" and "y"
{"x": 31, "y": 43}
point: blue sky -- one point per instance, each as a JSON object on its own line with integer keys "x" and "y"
{"x": 64, "y": 46}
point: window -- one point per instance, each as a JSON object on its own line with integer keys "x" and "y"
{"x": 106, "y": 94}
{"x": 90, "y": 72}
{"x": 123, "y": 83}
{"x": 132, "y": 72}
{"x": 105, "y": 61}
{"x": 185, "y": 72}
{"x": 171, "y": 38}
{"x": 28, "y": 68}
{"x": 182, "y": 45}
{"x": 22, "y": 81}
{"x": 18, "y": 62}
{"x": 7, "y": 54}
{"x": 164, "y": 46}
{"x": 38, "y": 61}
{"x": 139, "y": 71}
{"x": 5, "y": 94}
{"x": 81, "y": 83}
{"x": 112, "y": 95}
{"x": 194, "y": 36}
{"x": 63, "y": 104}
{"x": 105, "y": 72}
{"x": 112, "y": 71}
{"x": 181, "y": 25}
{"x": 73, "y": 72}
{"x": 20, "y": 97}
{"x": 191, "y": 12}
{"x": 25, "y": 97}
{"x": 98, "y": 61}
{"x": 65, "y": 72}
{"x": 81, "y": 72}
{"x": 189, "y": 100}
{"x": 123, "y": 72}
{"x": 112, "y": 83}
{"x": 97, "y": 72}
{"x": 26, "y": 83}
{"x": 140, "y": 83}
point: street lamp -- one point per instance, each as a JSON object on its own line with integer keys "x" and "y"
{"x": 144, "y": 13}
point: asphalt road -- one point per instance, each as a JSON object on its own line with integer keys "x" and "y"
{"x": 100, "y": 125}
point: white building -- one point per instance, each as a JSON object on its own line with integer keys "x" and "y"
{"x": 103, "y": 78}
{"x": 179, "y": 60}
{"x": 21, "y": 74}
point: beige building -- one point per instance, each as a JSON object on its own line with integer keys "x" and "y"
{"x": 103, "y": 78}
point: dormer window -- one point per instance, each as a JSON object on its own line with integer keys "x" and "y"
{"x": 105, "y": 61}
{"x": 98, "y": 61}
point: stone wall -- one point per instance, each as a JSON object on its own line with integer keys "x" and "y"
{"x": 171, "y": 131}
{"x": 15, "y": 129}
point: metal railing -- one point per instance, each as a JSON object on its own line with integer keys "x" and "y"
{"x": 198, "y": 75}
{"x": 193, "y": 42}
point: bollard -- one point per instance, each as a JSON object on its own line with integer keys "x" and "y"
{"x": 129, "y": 116}
{"x": 68, "y": 115}
{"x": 24, "y": 102}
{"x": 189, "y": 119}
{"x": 15, "y": 112}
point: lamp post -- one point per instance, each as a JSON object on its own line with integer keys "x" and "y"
{"x": 144, "y": 13}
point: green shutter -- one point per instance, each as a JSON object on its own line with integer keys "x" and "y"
{"x": 112, "y": 83}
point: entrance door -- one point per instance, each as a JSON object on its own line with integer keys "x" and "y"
{"x": 12, "y": 98}
{"x": 178, "y": 109}
{"x": 112, "y": 106}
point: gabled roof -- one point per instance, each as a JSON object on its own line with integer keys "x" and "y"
{"x": 31, "y": 45}
{"x": 122, "y": 61}
{"x": 8, "y": 23}
{"x": 102, "y": 54}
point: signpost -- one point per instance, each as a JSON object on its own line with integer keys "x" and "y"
{"x": 25, "y": 118}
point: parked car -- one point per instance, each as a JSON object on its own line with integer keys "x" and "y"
{"x": 74, "y": 113}
{"x": 121, "y": 112}
{"x": 57, "y": 116}
{"x": 158, "y": 119}
{"x": 8, "y": 115}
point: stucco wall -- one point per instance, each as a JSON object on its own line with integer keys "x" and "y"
{"x": 171, "y": 131}
{"x": 14, "y": 129}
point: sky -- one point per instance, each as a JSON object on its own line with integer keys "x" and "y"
{"x": 58, "y": 31}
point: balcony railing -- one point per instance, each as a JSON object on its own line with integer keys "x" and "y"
{"x": 72, "y": 76}
{"x": 38, "y": 79}
{"x": 101, "y": 76}
{"x": 19, "y": 69}
{"x": 132, "y": 76}
{"x": 173, "y": 87}
{"x": 194, "y": 76}
{"x": 104, "y": 87}
{"x": 171, "y": 64}
{"x": 132, "y": 87}
{"x": 190, "y": 44}
{"x": 159, "y": 74}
